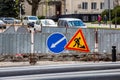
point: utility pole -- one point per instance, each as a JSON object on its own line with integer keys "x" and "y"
{"x": 115, "y": 18}
{"x": 20, "y": 11}
{"x": 64, "y": 6}
{"x": 46, "y": 7}
{"x": 116, "y": 3}
{"x": 109, "y": 9}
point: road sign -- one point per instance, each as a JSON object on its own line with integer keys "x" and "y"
{"x": 56, "y": 42}
{"x": 77, "y": 42}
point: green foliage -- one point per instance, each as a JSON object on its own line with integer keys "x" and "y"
{"x": 117, "y": 20}
{"x": 8, "y": 8}
{"x": 41, "y": 17}
{"x": 105, "y": 12}
{"x": 114, "y": 13}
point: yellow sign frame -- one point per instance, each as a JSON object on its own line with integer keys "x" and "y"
{"x": 78, "y": 42}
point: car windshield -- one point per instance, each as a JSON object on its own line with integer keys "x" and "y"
{"x": 33, "y": 18}
{"x": 48, "y": 22}
{"x": 9, "y": 19}
{"x": 76, "y": 23}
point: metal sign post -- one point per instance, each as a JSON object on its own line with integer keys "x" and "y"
{"x": 109, "y": 6}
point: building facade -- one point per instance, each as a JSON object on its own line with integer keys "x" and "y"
{"x": 87, "y": 10}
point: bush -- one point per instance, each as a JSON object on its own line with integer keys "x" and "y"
{"x": 41, "y": 17}
{"x": 117, "y": 20}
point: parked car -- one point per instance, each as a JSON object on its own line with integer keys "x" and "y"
{"x": 17, "y": 21}
{"x": 30, "y": 20}
{"x": 10, "y": 20}
{"x": 44, "y": 23}
{"x": 37, "y": 26}
{"x": 47, "y": 23}
{"x": 71, "y": 22}
{"x": 2, "y": 25}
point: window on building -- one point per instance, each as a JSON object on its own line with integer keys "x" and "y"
{"x": 94, "y": 18}
{"x": 84, "y": 5}
{"x": 85, "y": 18}
{"x": 101, "y": 5}
{"x": 93, "y": 5}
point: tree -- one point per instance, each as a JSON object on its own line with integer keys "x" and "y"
{"x": 34, "y": 4}
{"x": 116, "y": 11}
{"x": 105, "y": 12}
{"x": 116, "y": 15}
{"x": 8, "y": 8}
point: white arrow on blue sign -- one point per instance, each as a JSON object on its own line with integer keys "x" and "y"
{"x": 56, "y": 42}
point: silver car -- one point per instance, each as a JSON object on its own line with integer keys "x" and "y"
{"x": 47, "y": 23}
{"x": 2, "y": 25}
{"x": 10, "y": 20}
{"x": 71, "y": 22}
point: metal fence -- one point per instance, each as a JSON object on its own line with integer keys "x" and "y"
{"x": 40, "y": 38}
{"x": 12, "y": 41}
{"x": 108, "y": 38}
{"x": 19, "y": 41}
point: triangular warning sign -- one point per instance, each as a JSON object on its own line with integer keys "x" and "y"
{"x": 77, "y": 42}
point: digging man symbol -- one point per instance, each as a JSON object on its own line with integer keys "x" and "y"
{"x": 77, "y": 43}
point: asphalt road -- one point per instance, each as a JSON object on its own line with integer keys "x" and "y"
{"x": 97, "y": 71}
{"x": 112, "y": 74}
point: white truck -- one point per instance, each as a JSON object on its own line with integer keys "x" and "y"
{"x": 30, "y": 20}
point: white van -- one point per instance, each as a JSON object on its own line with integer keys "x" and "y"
{"x": 30, "y": 20}
{"x": 71, "y": 22}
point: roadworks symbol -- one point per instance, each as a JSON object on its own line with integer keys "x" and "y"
{"x": 77, "y": 42}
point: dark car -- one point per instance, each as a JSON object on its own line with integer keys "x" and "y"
{"x": 31, "y": 24}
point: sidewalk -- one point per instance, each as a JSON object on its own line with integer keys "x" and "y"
{"x": 13, "y": 64}
{"x": 16, "y": 64}
{"x": 102, "y": 25}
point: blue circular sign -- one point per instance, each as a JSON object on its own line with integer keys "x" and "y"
{"x": 56, "y": 42}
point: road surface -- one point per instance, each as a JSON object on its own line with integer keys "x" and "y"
{"x": 89, "y": 71}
